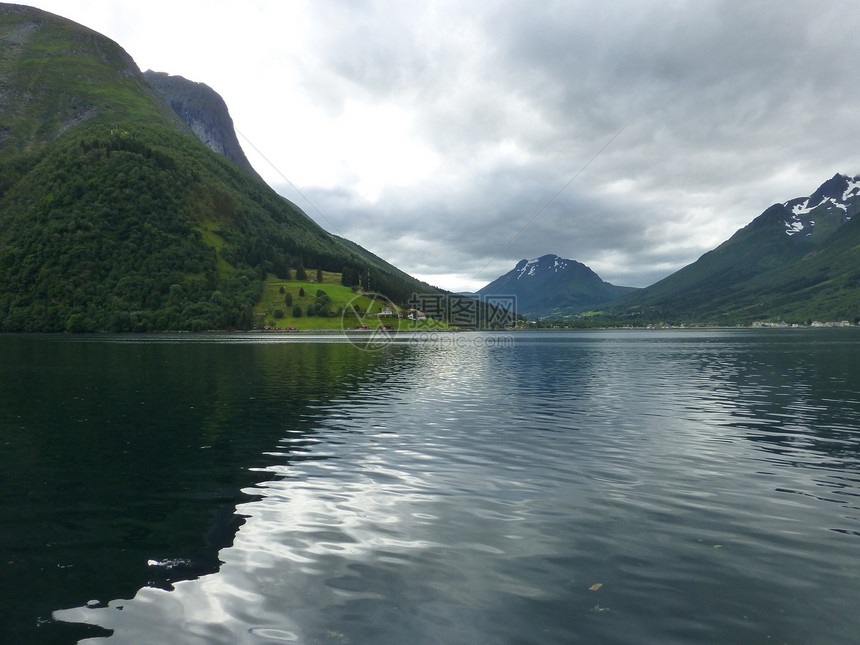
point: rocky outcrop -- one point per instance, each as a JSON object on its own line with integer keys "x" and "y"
{"x": 205, "y": 112}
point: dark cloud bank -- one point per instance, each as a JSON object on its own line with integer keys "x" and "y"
{"x": 723, "y": 108}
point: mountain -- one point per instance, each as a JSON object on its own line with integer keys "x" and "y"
{"x": 797, "y": 261}
{"x": 205, "y": 112}
{"x": 551, "y": 286}
{"x": 115, "y": 216}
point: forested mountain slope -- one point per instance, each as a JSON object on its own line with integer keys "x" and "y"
{"x": 115, "y": 216}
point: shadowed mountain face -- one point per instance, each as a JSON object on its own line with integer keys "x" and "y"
{"x": 797, "y": 261}
{"x": 205, "y": 112}
{"x": 553, "y": 286}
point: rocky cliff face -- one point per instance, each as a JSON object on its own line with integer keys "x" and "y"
{"x": 205, "y": 112}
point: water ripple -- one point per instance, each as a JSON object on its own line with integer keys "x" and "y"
{"x": 579, "y": 488}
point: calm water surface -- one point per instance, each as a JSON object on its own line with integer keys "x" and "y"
{"x": 561, "y": 487}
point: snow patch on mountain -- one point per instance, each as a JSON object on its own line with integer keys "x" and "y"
{"x": 798, "y": 222}
{"x": 801, "y": 207}
{"x": 543, "y": 264}
{"x": 793, "y": 226}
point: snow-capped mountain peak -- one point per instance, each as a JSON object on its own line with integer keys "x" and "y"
{"x": 839, "y": 192}
{"x": 551, "y": 283}
{"x": 544, "y": 264}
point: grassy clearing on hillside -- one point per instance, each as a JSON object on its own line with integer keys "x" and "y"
{"x": 212, "y": 238}
{"x": 346, "y": 309}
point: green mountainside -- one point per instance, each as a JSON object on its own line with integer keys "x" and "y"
{"x": 796, "y": 262}
{"x": 115, "y": 216}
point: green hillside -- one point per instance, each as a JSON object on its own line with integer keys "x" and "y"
{"x": 114, "y": 216}
{"x": 764, "y": 273}
{"x": 309, "y": 305}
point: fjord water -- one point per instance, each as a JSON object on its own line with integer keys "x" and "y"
{"x": 543, "y": 487}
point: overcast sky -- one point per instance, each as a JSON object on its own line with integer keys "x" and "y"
{"x": 454, "y": 138}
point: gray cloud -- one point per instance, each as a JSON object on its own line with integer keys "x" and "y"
{"x": 726, "y": 107}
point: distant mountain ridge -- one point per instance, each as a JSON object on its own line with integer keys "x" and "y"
{"x": 797, "y": 261}
{"x": 554, "y": 286}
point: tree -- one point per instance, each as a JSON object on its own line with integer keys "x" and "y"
{"x": 349, "y": 276}
{"x": 319, "y": 275}
{"x": 288, "y": 299}
{"x": 297, "y": 312}
{"x": 322, "y": 304}
{"x": 279, "y": 313}
{"x": 301, "y": 274}
{"x": 175, "y": 294}
{"x": 78, "y": 323}
{"x": 301, "y": 292}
